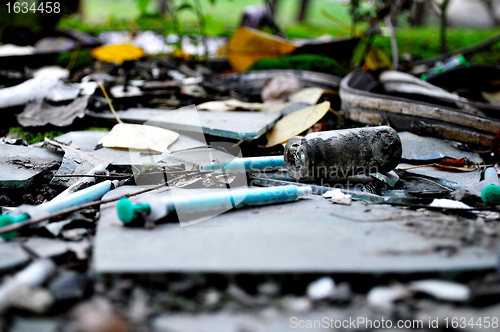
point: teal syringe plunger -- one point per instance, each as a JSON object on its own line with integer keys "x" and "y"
{"x": 491, "y": 192}
{"x": 159, "y": 207}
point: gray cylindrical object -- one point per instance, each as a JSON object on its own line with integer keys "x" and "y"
{"x": 342, "y": 153}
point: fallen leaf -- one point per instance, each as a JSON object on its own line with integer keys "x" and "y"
{"x": 376, "y": 59}
{"x": 462, "y": 164}
{"x": 249, "y": 45}
{"x": 492, "y": 97}
{"x": 295, "y": 123}
{"x": 139, "y": 137}
{"x": 117, "y": 53}
{"x": 307, "y": 95}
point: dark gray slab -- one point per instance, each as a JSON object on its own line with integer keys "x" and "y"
{"x": 20, "y": 164}
{"x": 185, "y": 150}
{"x": 12, "y": 255}
{"x": 311, "y": 235}
{"x": 227, "y": 321}
{"x": 46, "y": 248}
{"x": 235, "y": 125}
{"x": 426, "y": 148}
{"x": 26, "y": 324}
{"x": 466, "y": 179}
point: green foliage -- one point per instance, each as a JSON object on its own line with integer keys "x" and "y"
{"x": 423, "y": 44}
{"x": 32, "y": 136}
{"x": 83, "y": 58}
{"x": 96, "y": 129}
{"x": 142, "y": 5}
{"x": 309, "y": 62}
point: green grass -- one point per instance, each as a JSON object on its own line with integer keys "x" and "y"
{"x": 225, "y": 15}
{"x": 424, "y": 43}
{"x": 32, "y": 137}
{"x": 309, "y": 62}
{"x": 222, "y": 18}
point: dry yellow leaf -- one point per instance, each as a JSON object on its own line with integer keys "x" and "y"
{"x": 117, "y": 53}
{"x": 249, "y": 45}
{"x": 376, "y": 59}
{"x": 139, "y": 137}
{"x": 492, "y": 97}
{"x": 295, "y": 123}
{"x": 307, "y": 95}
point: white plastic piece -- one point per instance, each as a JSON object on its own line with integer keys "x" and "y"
{"x": 32, "y": 276}
{"x": 37, "y": 88}
{"x": 442, "y": 290}
{"x": 449, "y": 203}
{"x": 337, "y": 196}
{"x": 321, "y": 289}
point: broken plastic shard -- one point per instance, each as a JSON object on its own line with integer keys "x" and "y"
{"x": 382, "y": 298}
{"x": 449, "y": 204}
{"x": 32, "y": 276}
{"x": 391, "y": 178}
{"x": 337, "y": 196}
{"x": 74, "y": 162}
{"x": 321, "y": 289}
{"x": 399, "y": 82}
{"x": 40, "y": 113}
{"x": 52, "y": 72}
{"x": 442, "y": 290}
{"x": 279, "y": 88}
{"x": 11, "y": 49}
{"x": 421, "y": 148}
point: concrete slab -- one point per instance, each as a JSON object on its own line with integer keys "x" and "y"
{"x": 235, "y": 125}
{"x": 311, "y": 235}
{"x": 226, "y": 321}
{"x": 20, "y": 164}
{"x": 12, "y": 255}
{"x": 26, "y": 324}
{"x": 47, "y": 248}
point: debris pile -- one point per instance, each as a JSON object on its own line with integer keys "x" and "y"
{"x": 257, "y": 200}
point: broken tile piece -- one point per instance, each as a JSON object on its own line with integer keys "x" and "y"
{"x": 427, "y": 148}
{"x": 46, "y": 248}
{"x": 28, "y": 324}
{"x": 13, "y": 255}
{"x": 21, "y": 165}
{"x": 236, "y": 125}
{"x": 74, "y": 162}
{"x": 185, "y": 150}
